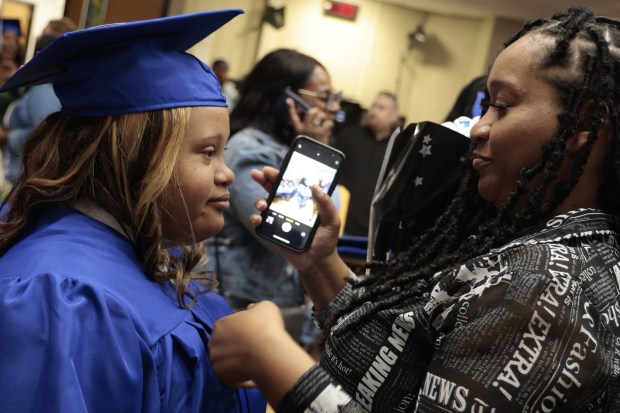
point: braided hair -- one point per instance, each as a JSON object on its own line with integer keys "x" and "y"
{"x": 588, "y": 49}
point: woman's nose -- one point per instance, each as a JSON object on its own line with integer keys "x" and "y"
{"x": 480, "y": 131}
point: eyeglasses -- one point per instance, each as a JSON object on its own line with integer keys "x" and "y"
{"x": 330, "y": 98}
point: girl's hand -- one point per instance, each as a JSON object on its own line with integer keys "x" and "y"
{"x": 252, "y": 346}
{"x": 239, "y": 341}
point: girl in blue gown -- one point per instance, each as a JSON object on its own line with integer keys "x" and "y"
{"x": 99, "y": 309}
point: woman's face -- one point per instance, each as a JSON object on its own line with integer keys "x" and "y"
{"x": 523, "y": 114}
{"x": 320, "y": 86}
{"x": 10, "y": 45}
{"x": 195, "y": 201}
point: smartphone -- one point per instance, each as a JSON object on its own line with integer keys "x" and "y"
{"x": 300, "y": 104}
{"x": 291, "y": 219}
{"x": 281, "y": 108}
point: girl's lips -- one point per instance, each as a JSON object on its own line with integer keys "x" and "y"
{"x": 221, "y": 204}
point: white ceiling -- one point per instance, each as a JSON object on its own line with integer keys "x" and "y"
{"x": 511, "y": 9}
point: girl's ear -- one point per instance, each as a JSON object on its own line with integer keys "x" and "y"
{"x": 577, "y": 141}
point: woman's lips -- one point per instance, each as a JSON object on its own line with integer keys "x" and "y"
{"x": 478, "y": 161}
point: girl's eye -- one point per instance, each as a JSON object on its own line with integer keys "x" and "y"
{"x": 209, "y": 152}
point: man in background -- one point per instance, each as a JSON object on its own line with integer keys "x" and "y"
{"x": 364, "y": 147}
{"x": 229, "y": 89}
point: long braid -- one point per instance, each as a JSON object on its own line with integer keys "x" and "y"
{"x": 577, "y": 33}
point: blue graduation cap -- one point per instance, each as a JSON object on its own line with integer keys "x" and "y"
{"x": 11, "y": 25}
{"x": 129, "y": 67}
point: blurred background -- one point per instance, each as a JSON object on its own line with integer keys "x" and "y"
{"x": 425, "y": 51}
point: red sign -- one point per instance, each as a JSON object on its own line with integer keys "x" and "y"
{"x": 338, "y": 9}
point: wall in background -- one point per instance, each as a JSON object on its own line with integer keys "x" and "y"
{"x": 366, "y": 55}
{"x": 87, "y": 13}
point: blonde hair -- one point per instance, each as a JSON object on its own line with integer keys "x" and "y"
{"x": 123, "y": 164}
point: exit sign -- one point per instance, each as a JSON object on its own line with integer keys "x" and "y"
{"x": 342, "y": 10}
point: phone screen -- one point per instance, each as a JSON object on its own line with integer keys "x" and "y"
{"x": 292, "y": 216}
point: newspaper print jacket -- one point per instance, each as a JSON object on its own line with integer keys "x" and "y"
{"x": 532, "y": 326}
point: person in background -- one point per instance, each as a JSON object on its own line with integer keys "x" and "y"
{"x": 99, "y": 308}
{"x": 263, "y": 125}
{"x": 469, "y": 101}
{"x": 12, "y": 47}
{"x": 516, "y": 314}
{"x": 33, "y": 106}
{"x": 229, "y": 88}
{"x": 11, "y": 58}
{"x": 7, "y": 69}
{"x": 58, "y": 27}
{"x": 364, "y": 147}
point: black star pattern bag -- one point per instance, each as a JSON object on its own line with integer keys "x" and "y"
{"x": 423, "y": 171}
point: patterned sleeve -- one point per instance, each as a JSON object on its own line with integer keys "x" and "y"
{"x": 529, "y": 340}
{"x": 316, "y": 391}
{"x": 340, "y": 301}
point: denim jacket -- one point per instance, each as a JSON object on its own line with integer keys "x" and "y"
{"x": 28, "y": 111}
{"x": 247, "y": 265}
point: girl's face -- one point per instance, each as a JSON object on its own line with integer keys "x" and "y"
{"x": 196, "y": 197}
{"x": 523, "y": 114}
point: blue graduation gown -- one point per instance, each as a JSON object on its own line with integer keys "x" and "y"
{"x": 82, "y": 329}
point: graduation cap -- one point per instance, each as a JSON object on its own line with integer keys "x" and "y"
{"x": 11, "y": 25}
{"x": 129, "y": 67}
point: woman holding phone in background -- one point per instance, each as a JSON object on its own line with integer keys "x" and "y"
{"x": 263, "y": 124}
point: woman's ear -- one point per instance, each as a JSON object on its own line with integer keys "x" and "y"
{"x": 577, "y": 141}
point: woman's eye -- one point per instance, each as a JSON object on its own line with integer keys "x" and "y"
{"x": 499, "y": 106}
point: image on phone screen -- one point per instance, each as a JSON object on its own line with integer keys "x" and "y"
{"x": 292, "y": 214}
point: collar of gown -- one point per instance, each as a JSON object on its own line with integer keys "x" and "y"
{"x": 95, "y": 212}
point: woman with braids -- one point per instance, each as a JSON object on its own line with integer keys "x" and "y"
{"x": 521, "y": 314}
{"x": 98, "y": 309}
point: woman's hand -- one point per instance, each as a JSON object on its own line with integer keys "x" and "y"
{"x": 326, "y": 237}
{"x": 316, "y": 123}
{"x": 253, "y": 346}
{"x": 322, "y": 271}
